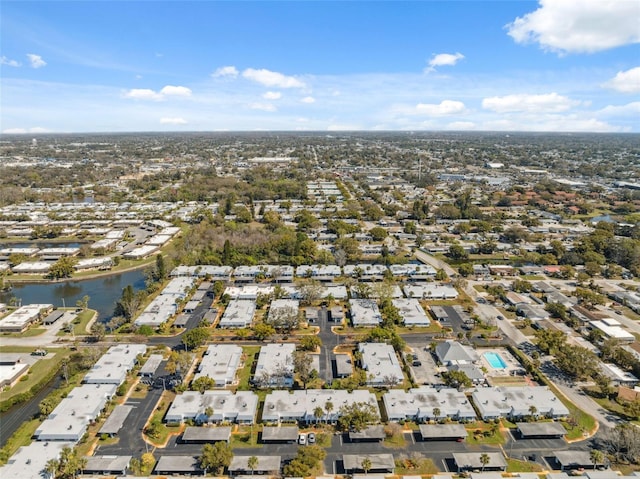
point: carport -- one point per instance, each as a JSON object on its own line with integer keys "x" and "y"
{"x": 443, "y": 432}
{"x": 540, "y": 430}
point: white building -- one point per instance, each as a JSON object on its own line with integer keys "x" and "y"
{"x": 113, "y": 366}
{"x": 412, "y": 312}
{"x": 21, "y": 318}
{"x": 239, "y": 314}
{"x": 69, "y": 420}
{"x": 220, "y": 363}
{"x": 223, "y": 405}
{"x": 364, "y": 312}
{"x": 299, "y": 405}
{"x": 275, "y": 365}
{"x": 426, "y": 403}
{"x": 517, "y": 402}
{"x": 380, "y": 362}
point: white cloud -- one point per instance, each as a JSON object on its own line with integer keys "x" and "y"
{"x": 263, "y": 106}
{"x": 272, "y": 79}
{"x": 546, "y": 103}
{"x": 173, "y": 121}
{"x": 138, "y": 77}
{"x": 143, "y": 94}
{"x": 36, "y": 61}
{"x": 444, "y": 108}
{"x": 631, "y": 110}
{"x": 308, "y": 99}
{"x": 443, "y": 59}
{"x": 171, "y": 90}
{"x": 22, "y": 131}
{"x": 625, "y": 82}
{"x": 149, "y": 94}
{"x": 228, "y": 72}
{"x": 11, "y": 63}
{"x": 272, "y": 95}
{"x": 578, "y": 26}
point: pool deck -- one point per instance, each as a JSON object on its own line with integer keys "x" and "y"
{"x": 511, "y": 362}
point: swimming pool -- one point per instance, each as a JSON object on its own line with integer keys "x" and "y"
{"x": 495, "y": 360}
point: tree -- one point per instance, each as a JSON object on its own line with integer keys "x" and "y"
{"x": 98, "y": 331}
{"x": 596, "y": 456}
{"x": 457, "y": 252}
{"x": 328, "y": 406}
{"x": 436, "y": 413}
{"x": 310, "y": 343}
{"x": 252, "y": 463}
{"x": 456, "y": 379}
{"x": 283, "y": 319}
{"x": 147, "y": 460}
{"x": 215, "y": 457}
{"x": 63, "y": 268}
{"x": 484, "y": 460}
{"x": 83, "y": 303}
{"x": 533, "y": 411}
{"x": 195, "y": 338}
{"x": 441, "y": 275}
{"x": 160, "y": 272}
{"x": 378, "y": 233}
{"x": 129, "y": 303}
{"x": 46, "y": 406}
{"x": 262, "y": 331}
{"x": 357, "y": 416}
{"x": 179, "y": 362}
{"x": 366, "y": 465}
{"x": 310, "y": 291}
{"x": 67, "y": 466}
{"x": 318, "y": 412}
{"x": 202, "y": 384}
{"x": 302, "y": 366}
{"x": 465, "y": 269}
{"x": 623, "y": 441}
{"x": 577, "y": 362}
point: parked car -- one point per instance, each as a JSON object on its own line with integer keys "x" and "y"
{"x": 311, "y": 438}
{"x": 302, "y": 439}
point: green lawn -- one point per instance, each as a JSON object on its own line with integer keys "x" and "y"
{"x": 245, "y": 436}
{"x": 29, "y": 333}
{"x": 482, "y": 433}
{"x": 39, "y": 372}
{"x": 415, "y": 466}
{"x": 244, "y": 374}
{"x": 81, "y": 322}
{"x": 514, "y": 465}
{"x": 21, "y": 437}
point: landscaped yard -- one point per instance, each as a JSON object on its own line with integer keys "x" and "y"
{"x": 245, "y": 436}
{"x": 514, "y": 465}
{"x": 250, "y": 354}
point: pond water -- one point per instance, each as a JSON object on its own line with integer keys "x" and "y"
{"x": 103, "y": 292}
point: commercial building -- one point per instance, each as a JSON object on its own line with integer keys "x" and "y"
{"x": 426, "y": 403}
{"x": 300, "y": 405}
{"x": 381, "y": 363}
{"x": 220, "y": 363}
{"x": 239, "y": 314}
{"x": 223, "y": 405}
{"x": 274, "y": 367}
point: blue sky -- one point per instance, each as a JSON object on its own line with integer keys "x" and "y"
{"x": 109, "y": 66}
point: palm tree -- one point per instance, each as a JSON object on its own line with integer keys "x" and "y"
{"x": 318, "y": 412}
{"x": 596, "y": 456}
{"x": 51, "y": 467}
{"x": 533, "y": 411}
{"x": 328, "y": 406}
{"x": 366, "y": 465}
{"x": 436, "y": 413}
{"x": 484, "y": 460}
{"x": 252, "y": 463}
